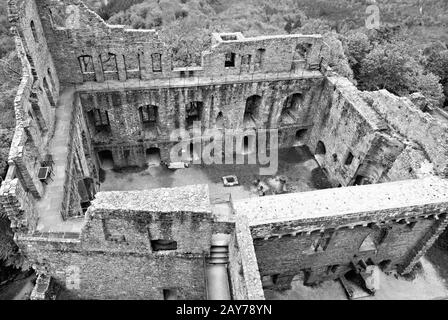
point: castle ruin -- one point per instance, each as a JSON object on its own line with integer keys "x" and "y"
{"x": 95, "y": 95}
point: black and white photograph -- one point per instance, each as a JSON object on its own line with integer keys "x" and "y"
{"x": 255, "y": 153}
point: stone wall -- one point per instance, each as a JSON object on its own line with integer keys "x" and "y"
{"x": 348, "y": 138}
{"x": 243, "y": 270}
{"x": 74, "y": 31}
{"x": 34, "y": 107}
{"x": 324, "y": 233}
{"x": 114, "y": 257}
{"x": 429, "y": 133}
{"x": 223, "y": 106}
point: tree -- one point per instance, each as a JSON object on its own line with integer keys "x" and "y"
{"x": 357, "y": 46}
{"x": 391, "y": 66}
{"x": 387, "y": 66}
{"x": 429, "y": 85}
{"x": 187, "y": 38}
{"x": 437, "y": 63}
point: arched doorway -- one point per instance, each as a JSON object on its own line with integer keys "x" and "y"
{"x": 106, "y": 159}
{"x": 320, "y": 149}
{"x": 220, "y": 120}
{"x": 320, "y": 152}
{"x": 252, "y": 109}
{"x": 194, "y": 113}
{"x": 153, "y": 157}
{"x": 291, "y": 106}
{"x": 300, "y": 137}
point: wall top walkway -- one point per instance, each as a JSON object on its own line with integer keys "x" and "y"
{"x": 344, "y": 201}
{"x": 135, "y": 84}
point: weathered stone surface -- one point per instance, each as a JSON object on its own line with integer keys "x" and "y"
{"x": 92, "y": 93}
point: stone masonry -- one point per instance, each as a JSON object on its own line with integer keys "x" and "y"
{"x": 94, "y": 94}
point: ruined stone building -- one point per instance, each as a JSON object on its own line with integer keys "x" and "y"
{"x": 94, "y": 94}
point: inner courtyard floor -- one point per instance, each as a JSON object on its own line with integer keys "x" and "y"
{"x": 298, "y": 171}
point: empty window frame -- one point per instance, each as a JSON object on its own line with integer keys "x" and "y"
{"x": 109, "y": 63}
{"x": 163, "y": 245}
{"x": 194, "y": 111}
{"x": 246, "y": 60}
{"x": 132, "y": 63}
{"x": 86, "y": 64}
{"x": 156, "y": 62}
{"x": 34, "y": 31}
{"x": 259, "y": 58}
{"x": 229, "y": 60}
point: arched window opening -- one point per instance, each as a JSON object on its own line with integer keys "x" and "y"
{"x": 149, "y": 117}
{"x": 300, "y": 136}
{"x": 320, "y": 149}
{"x": 361, "y": 180}
{"x": 220, "y": 120}
{"x": 290, "y": 108}
{"x": 194, "y": 112}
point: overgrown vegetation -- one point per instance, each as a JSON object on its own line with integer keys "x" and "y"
{"x": 408, "y": 54}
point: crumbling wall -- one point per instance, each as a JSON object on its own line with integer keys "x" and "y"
{"x": 115, "y": 256}
{"x": 90, "y": 274}
{"x": 430, "y": 134}
{"x": 126, "y": 132}
{"x": 325, "y": 233}
{"x": 243, "y": 268}
{"x": 77, "y": 35}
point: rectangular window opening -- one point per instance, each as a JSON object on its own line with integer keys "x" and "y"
{"x": 229, "y": 60}
{"x": 169, "y": 294}
{"x": 163, "y": 245}
{"x": 156, "y": 62}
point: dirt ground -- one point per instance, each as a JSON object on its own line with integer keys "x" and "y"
{"x": 297, "y": 165}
